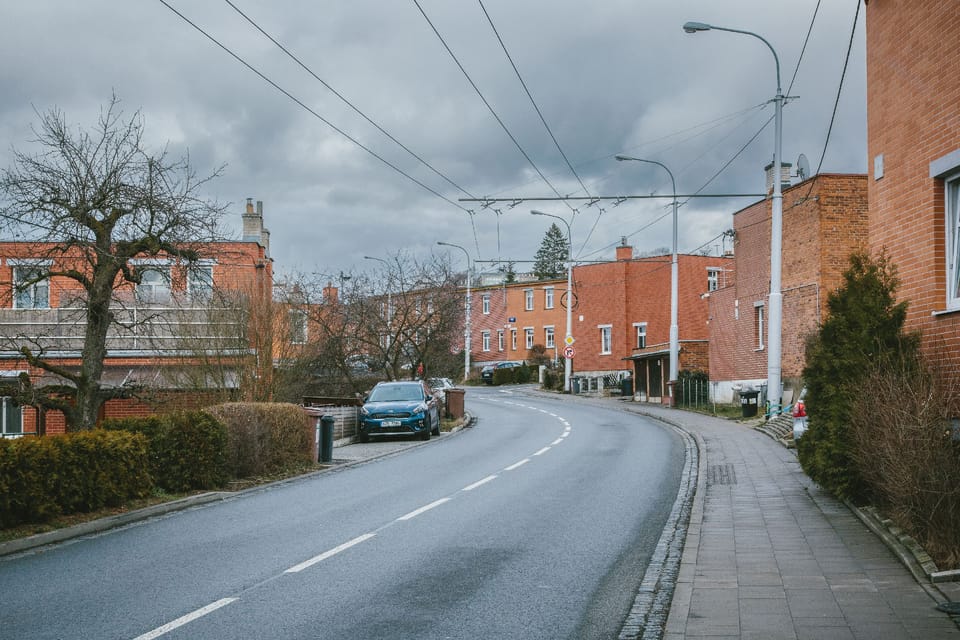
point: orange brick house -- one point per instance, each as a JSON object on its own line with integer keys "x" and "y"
{"x": 620, "y": 321}
{"x": 824, "y": 221}
{"x": 913, "y": 140}
{"x": 177, "y": 317}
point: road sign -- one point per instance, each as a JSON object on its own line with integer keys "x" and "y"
{"x": 569, "y": 340}
{"x": 568, "y": 352}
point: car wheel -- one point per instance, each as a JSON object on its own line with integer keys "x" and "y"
{"x": 425, "y": 434}
{"x": 436, "y": 427}
{"x": 362, "y": 436}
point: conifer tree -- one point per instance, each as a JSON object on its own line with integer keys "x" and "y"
{"x": 550, "y": 260}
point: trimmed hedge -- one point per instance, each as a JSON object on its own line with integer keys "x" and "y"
{"x": 511, "y": 375}
{"x": 264, "y": 437}
{"x": 41, "y": 478}
{"x": 188, "y": 450}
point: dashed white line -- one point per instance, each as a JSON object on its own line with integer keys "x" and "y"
{"x": 417, "y": 512}
{"x": 556, "y": 442}
{"x": 190, "y": 617}
{"x": 479, "y": 483}
{"x": 542, "y": 451}
{"x": 332, "y": 552}
{"x": 517, "y": 464}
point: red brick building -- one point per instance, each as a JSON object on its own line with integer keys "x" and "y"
{"x": 913, "y": 140}
{"x": 824, "y": 221}
{"x": 620, "y": 321}
{"x": 176, "y": 318}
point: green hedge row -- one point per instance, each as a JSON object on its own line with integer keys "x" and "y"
{"x": 264, "y": 438}
{"x": 41, "y": 478}
{"x": 513, "y": 375}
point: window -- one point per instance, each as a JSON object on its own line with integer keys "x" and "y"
{"x": 548, "y": 298}
{"x": 606, "y": 332}
{"x": 758, "y": 323}
{"x": 549, "y": 341}
{"x": 485, "y": 300}
{"x": 11, "y": 418}
{"x": 200, "y": 282}
{"x": 28, "y": 291}
{"x": 154, "y": 285}
{"x": 500, "y": 341}
{"x": 513, "y": 339}
{"x": 641, "y": 334}
{"x": 528, "y": 299}
{"x": 952, "y": 209}
{"x": 713, "y": 279}
{"x": 528, "y": 333}
{"x": 298, "y": 326}
{"x": 486, "y": 340}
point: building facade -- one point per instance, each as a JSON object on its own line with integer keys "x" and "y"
{"x": 824, "y": 222}
{"x": 913, "y": 140}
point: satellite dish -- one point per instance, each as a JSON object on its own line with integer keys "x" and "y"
{"x": 803, "y": 167}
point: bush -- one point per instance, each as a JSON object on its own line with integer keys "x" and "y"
{"x": 504, "y": 376}
{"x": 188, "y": 450}
{"x": 864, "y": 326}
{"x": 906, "y": 453}
{"x": 264, "y": 438}
{"x": 41, "y": 478}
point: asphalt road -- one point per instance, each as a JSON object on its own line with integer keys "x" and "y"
{"x": 536, "y": 523}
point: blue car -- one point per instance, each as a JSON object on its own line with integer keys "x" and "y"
{"x": 397, "y": 408}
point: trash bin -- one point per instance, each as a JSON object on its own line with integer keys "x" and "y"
{"x": 626, "y": 386}
{"x": 455, "y": 403}
{"x": 326, "y": 439}
{"x": 748, "y": 403}
{"x": 574, "y": 385}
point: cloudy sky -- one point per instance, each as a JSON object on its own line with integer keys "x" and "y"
{"x": 609, "y": 77}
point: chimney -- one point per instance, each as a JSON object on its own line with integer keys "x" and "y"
{"x": 624, "y": 251}
{"x": 330, "y": 293}
{"x": 253, "y": 223}
{"x": 784, "y": 176}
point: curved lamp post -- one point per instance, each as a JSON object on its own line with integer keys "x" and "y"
{"x": 775, "y": 315}
{"x": 674, "y": 285}
{"x": 466, "y": 331}
{"x": 567, "y": 362}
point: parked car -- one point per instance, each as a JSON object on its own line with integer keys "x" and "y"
{"x": 395, "y": 408}
{"x": 486, "y": 374}
{"x": 440, "y": 385}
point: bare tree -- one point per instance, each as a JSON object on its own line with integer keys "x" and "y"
{"x": 94, "y": 201}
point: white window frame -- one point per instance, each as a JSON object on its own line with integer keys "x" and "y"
{"x": 501, "y": 343}
{"x": 548, "y": 297}
{"x": 713, "y": 278}
{"x": 951, "y": 208}
{"x": 6, "y": 409}
{"x": 641, "y": 334}
{"x": 549, "y": 337}
{"x": 606, "y": 339}
{"x": 528, "y": 299}
{"x": 37, "y": 295}
{"x": 158, "y": 291}
{"x": 298, "y": 326}
{"x": 485, "y": 340}
{"x": 528, "y": 337}
{"x": 485, "y": 302}
{"x": 513, "y": 339}
{"x": 759, "y": 321}
{"x": 200, "y": 280}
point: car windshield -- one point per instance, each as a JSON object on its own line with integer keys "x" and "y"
{"x": 395, "y": 392}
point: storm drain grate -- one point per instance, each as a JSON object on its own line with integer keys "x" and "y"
{"x": 721, "y": 474}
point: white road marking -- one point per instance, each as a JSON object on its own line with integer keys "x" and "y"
{"x": 556, "y": 442}
{"x": 414, "y": 514}
{"x": 327, "y": 554}
{"x": 517, "y": 464}
{"x": 564, "y": 434}
{"x": 542, "y": 451}
{"x": 190, "y": 617}
{"x": 479, "y": 483}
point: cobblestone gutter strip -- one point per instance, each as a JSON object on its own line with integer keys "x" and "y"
{"x": 648, "y": 615}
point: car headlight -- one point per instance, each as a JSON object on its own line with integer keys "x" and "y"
{"x": 420, "y": 408}
{"x": 364, "y": 411}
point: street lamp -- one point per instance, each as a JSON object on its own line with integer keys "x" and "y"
{"x": 775, "y": 315}
{"x": 568, "y": 340}
{"x": 466, "y": 331}
{"x": 674, "y": 285}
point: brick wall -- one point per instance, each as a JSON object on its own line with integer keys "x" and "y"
{"x": 913, "y": 91}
